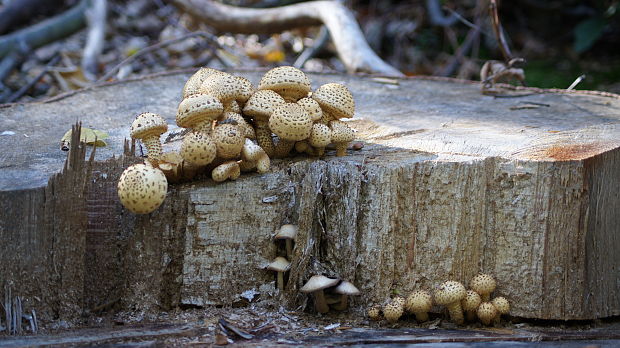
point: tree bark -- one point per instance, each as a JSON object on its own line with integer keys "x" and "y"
{"x": 346, "y": 34}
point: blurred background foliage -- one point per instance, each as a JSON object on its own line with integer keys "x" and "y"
{"x": 560, "y": 41}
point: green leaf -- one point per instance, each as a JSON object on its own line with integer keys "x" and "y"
{"x": 89, "y": 136}
{"x": 587, "y": 32}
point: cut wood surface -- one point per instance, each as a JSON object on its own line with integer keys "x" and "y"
{"x": 449, "y": 183}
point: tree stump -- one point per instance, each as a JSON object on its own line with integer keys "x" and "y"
{"x": 449, "y": 183}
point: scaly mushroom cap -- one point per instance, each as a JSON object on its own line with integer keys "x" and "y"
{"x": 318, "y": 282}
{"x": 289, "y": 82}
{"x": 419, "y": 301}
{"x": 261, "y": 104}
{"x": 227, "y": 87}
{"x": 198, "y": 108}
{"x": 501, "y": 304}
{"x": 471, "y": 301}
{"x": 287, "y": 231}
{"x": 148, "y": 124}
{"x": 320, "y": 135}
{"x": 401, "y": 301}
{"x": 393, "y": 311}
{"x": 374, "y": 313}
{"x": 232, "y": 106}
{"x": 192, "y": 86}
{"x": 335, "y": 99}
{"x": 486, "y": 312}
{"x": 341, "y": 132}
{"x": 227, "y": 170}
{"x": 142, "y": 188}
{"x": 312, "y": 108}
{"x": 450, "y": 292}
{"x": 229, "y": 140}
{"x": 236, "y": 119}
{"x": 347, "y": 288}
{"x": 484, "y": 284}
{"x": 279, "y": 264}
{"x": 290, "y": 122}
{"x": 198, "y": 148}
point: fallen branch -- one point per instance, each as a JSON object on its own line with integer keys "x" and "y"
{"x": 50, "y": 30}
{"x": 321, "y": 39}
{"x": 346, "y": 34}
{"x": 96, "y": 17}
{"x": 16, "y": 13}
{"x": 499, "y": 32}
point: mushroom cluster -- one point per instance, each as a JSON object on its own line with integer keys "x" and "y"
{"x": 462, "y": 304}
{"x": 233, "y": 126}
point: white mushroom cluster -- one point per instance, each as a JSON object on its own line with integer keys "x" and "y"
{"x": 233, "y": 127}
{"x": 460, "y": 303}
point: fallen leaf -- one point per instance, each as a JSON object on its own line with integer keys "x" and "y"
{"x": 88, "y": 136}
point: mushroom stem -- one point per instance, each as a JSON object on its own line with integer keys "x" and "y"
{"x": 470, "y": 315}
{"x": 283, "y": 148}
{"x": 343, "y": 304}
{"x": 263, "y": 137}
{"x": 456, "y": 313}
{"x": 421, "y": 316}
{"x": 281, "y": 280}
{"x": 320, "y": 303}
{"x": 289, "y": 248}
{"x": 205, "y": 127}
{"x": 485, "y": 297}
{"x": 153, "y": 148}
{"x": 341, "y": 149}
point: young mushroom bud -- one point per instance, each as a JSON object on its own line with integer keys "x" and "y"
{"x": 227, "y": 170}
{"x": 198, "y": 148}
{"x": 142, "y": 188}
{"x": 419, "y": 303}
{"x": 341, "y": 136}
{"x": 315, "y": 285}
{"x": 503, "y": 307}
{"x": 484, "y": 284}
{"x": 486, "y": 312}
{"x": 254, "y": 153}
{"x": 320, "y": 137}
{"x": 287, "y": 233}
{"x": 470, "y": 304}
{"x": 228, "y": 140}
{"x": 393, "y": 310}
{"x": 375, "y": 313}
{"x": 450, "y": 294}
{"x": 336, "y": 100}
{"x": 345, "y": 289}
{"x": 291, "y": 123}
{"x": 280, "y": 265}
{"x": 289, "y": 82}
{"x": 148, "y": 127}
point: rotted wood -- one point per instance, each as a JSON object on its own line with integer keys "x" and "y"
{"x": 449, "y": 183}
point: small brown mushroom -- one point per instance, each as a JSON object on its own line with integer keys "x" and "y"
{"x": 316, "y": 284}
{"x": 289, "y": 82}
{"x": 260, "y": 106}
{"x": 228, "y": 140}
{"x": 503, "y": 307}
{"x": 227, "y": 88}
{"x": 375, "y": 313}
{"x": 393, "y": 310}
{"x": 320, "y": 137}
{"x": 142, "y": 188}
{"x": 484, "y": 284}
{"x": 345, "y": 289}
{"x": 148, "y": 127}
{"x": 280, "y": 265}
{"x": 227, "y": 170}
{"x": 198, "y": 148}
{"x": 287, "y": 233}
{"x": 470, "y": 304}
{"x": 336, "y": 101}
{"x": 450, "y": 294}
{"x": 341, "y": 136}
{"x": 291, "y": 123}
{"x": 198, "y": 112}
{"x": 486, "y": 312}
{"x": 312, "y": 108}
{"x": 419, "y": 303}
{"x": 192, "y": 86}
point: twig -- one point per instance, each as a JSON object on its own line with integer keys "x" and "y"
{"x": 96, "y": 18}
{"x": 472, "y": 35}
{"x": 436, "y": 17}
{"x": 157, "y": 46}
{"x": 319, "y": 43}
{"x": 466, "y": 22}
{"x": 576, "y": 82}
{"x": 47, "y": 31}
{"x": 347, "y": 36}
{"x": 24, "y": 89}
{"x": 499, "y": 33}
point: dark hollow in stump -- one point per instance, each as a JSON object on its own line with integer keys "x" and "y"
{"x": 449, "y": 183}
